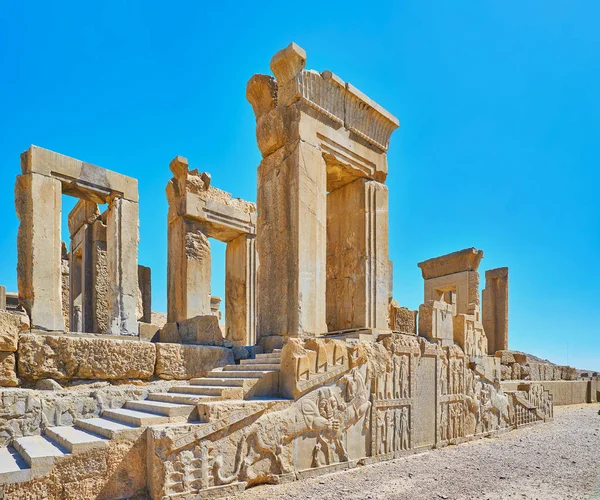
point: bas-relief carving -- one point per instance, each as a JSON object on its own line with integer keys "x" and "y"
{"x": 358, "y": 402}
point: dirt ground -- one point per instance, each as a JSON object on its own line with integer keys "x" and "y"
{"x": 558, "y": 460}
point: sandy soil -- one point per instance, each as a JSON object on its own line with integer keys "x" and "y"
{"x": 558, "y": 460}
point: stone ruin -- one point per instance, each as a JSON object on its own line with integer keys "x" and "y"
{"x": 315, "y": 369}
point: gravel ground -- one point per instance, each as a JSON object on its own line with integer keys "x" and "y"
{"x": 558, "y": 460}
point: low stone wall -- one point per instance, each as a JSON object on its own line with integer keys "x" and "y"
{"x": 520, "y": 366}
{"x": 67, "y": 357}
{"x": 564, "y": 392}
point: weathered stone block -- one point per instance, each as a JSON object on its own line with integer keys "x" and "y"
{"x": 10, "y": 326}
{"x": 402, "y": 319}
{"x": 181, "y": 362}
{"x": 8, "y": 375}
{"x": 149, "y": 332}
{"x": 65, "y": 357}
{"x": 201, "y": 330}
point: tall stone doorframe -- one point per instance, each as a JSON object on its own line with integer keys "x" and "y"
{"x": 322, "y": 203}
{"x": 197, "y": 212}
{"x": 451, "y": 309}
{"x": 45, "y": 176}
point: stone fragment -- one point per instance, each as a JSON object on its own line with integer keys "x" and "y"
{"x": 182, "y": 362}
{"x": 48, "y": 384}
{"x": 200, "y": 330}
{"x": 149, "y": 332}
{"x": 402, "y": 319}
{"x": 64, "y": 358}
{"x": 11, "y": 324}
{"x": 8, "y": 375}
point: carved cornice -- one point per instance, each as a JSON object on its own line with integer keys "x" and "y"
{"x": 344, "y": 104}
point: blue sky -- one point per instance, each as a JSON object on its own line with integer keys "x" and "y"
{"x": 498, "y": 145}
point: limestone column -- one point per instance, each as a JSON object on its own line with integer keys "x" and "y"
{"x": 358, "y": 267}
{"x": 38, "y": 202}
{"x": 495, "y": 309}
{"x": 291, "y": 221}
{"x": 122, "y": 253}
{"x": 240, "y": 290}
{"x": 188, "y": 270}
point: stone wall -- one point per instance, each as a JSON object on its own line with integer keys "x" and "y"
{"x": 565, "y": 392}
{"x": 521, "y": 366}
{"x": 349, "y": 405}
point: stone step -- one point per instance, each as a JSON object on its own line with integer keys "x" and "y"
{"x": 13, "y": 467}
{"x": 253, "y": 367}
{"x": 179, "y": 397}
{"x": 162, "y": 408}
{"x": 239, "y": 374}
{"x": 261, "y": 361}
{"x": 75, "y": 440}
{"x": 109, "y": 428}
{"x": 38, "y": 451}
{"x": 223, "y": 382}
{"x": 135, "y": 417}
{"x": 269, "y": 355}
{"x": 211, "y": 390}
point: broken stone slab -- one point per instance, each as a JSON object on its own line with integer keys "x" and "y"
{"x": 455, "y": 262}
{"x": 11, "y": 324}
{"x": 200, "y": 330}
{"x": 47, "y": 384}
{"x": 64, "y": 358}
{"x": 183, "y": 362}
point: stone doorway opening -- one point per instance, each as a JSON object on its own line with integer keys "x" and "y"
{"x": 47, "y": 176}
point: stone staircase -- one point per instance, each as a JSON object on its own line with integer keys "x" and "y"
{"x": 32, "y": 456}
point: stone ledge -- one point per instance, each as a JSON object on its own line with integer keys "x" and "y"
{"x": 455, "y": 262}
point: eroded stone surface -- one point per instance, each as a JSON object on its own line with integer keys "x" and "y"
{"x": 65, "y": 358}
{"x": 11, "y": 324}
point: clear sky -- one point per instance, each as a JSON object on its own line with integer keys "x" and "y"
{"x": 499, "y": 106}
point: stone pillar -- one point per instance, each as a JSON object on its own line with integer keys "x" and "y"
{"x": 358, "y": 267}
{"x": 38, "y": 202}
{"x": 122, "y": 245}
{"x": 495, "y": 309}
{"x": 2, "y": 298}
{"x": 188, "y": 270}
{"x": 240, "y": 290}
{"x": 100, "y": 286}
{"x": 291, "y": 223}
{"x": 292, "y": 205}
{"x": 145, "y": 283}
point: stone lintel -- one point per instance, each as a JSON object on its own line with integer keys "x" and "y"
{"x": 83, "y": 212}
{"x": 79, "y": 178}
{"x": 456, "y": 262}
{"x": 220, "y": 221}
